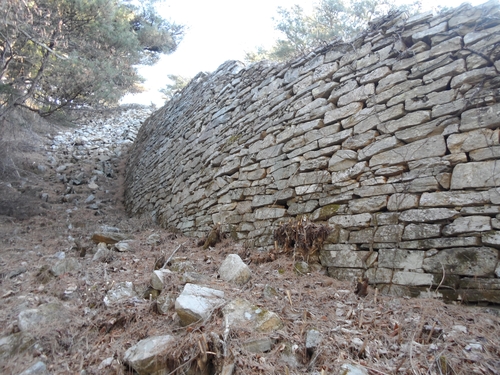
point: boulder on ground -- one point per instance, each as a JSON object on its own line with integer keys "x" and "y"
{"x": 150, "y": 356}
{"x": 197, "y": 302}
{"x": 234, "y": 270}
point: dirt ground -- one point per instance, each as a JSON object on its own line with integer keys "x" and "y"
{"x": 382, "y": 334}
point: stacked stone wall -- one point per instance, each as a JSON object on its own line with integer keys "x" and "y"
{"x": 392, "y": 139}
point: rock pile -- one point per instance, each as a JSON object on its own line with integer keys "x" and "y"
{"x": 392, "y": 139}
{"x": 84, "y": 156}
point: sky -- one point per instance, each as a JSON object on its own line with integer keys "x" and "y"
{"x": 221, "y": 30}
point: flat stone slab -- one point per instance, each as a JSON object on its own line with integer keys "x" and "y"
{"x": 119, "y": 293}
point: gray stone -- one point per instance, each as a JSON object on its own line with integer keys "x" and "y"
{"x": 372, "y": 204}
{"x": 421, "y": 231}
{"x": 15, "y": 344}
{"x": 492, "y": 152}
{"x": 476, "y": 174}
{"x": 454, "y": 199}
{"x": 411, "y": 119}
{"x": 472, "y": 140}
{"x": 491, "y": 238}
{"x": 342, "y": 159}
{"x": 467, "y": 224}
{"x": 477, "y": 118}
{"x": 164, "y": 303}
{"x": 158, "y": 278}
{"x": 344, "y": 259}
{"x": 38, "y": 368}
{"x": 362, "y": 236}
{"x": 343, "y": 112}
{"x": 313, "y": 338}
{"x": 425, "y": 148}
{"x": 41, "y": 317}
{"x": 242, "y": 314}
{"x": 357, "y": 95}
{"x": 400, "y": 259}
{"x": 428, "y": 215}
{"x": 471, "y": 261}
{"x": 261, "y": 345}
{"x": 349, "y": 369}
{"x": 351, "y": 221}
{"x": 233, "y": 270}
{"x": 66, "y": 265}
{"x": 388, "y": 233}
{"x": 196, "y": 303}
{"x": 119, "y": 293}
{"x": 151, "y": 355}
{"x": 402, "y": 201}
{"x": 269, "y": 213}
{"x": 430, "y": 100}
{"x": 440, "y": 243}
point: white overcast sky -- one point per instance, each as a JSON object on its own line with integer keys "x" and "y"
{"x": 221, "y": 30}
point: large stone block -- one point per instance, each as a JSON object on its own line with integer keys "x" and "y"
{"x": 196, "y": 303}
{"x": 484, "y": 117}
{"x": 421, "y": 231}
{"x": 470, "y": 261}
{"x": 425, "y": 148}
{"x": 476, "y": 175}
{"x": 400, "y": 259}
{"x": 468, "y": 224}
{"x": 454, "y": 198}
{"x": 428, "y": 215}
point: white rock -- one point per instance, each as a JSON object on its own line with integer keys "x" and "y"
{"x": 119, "y": 293}
{"x": 234, "y": 270}
{"x": 196, "y": 303}
{"x": 150, "y": 355}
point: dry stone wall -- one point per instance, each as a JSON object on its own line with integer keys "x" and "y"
{"x": 392, "y": 139}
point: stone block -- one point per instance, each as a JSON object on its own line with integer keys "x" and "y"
{"x": 472, "y": 140}
{"x": 269, "y": 213}
{"x": 347, "y": 274}
{"x": 476, "y": 175}
{"x": 428, "y": 215}
{"x": 421, "y": 231}
{"x": 440, "y": 243}
{"x": 400, "y": 259}
{"x": 477, "y": 118}
{"x": 352, "y": 221}
{"x": 430, "y": 100}
{"x": 402, "y": 201}
{"x": 196, "y": 303}
{"x": 342, "y": 112}
{"x": 359, "y": 94}
{"x": 233, "y": 270}
{"x": 468, "y": 224}
{"x": 150, "y": 355}
{"x": 454, "y": 198}
{"x": 470, "y": 261}
{"x": 407, "y": 121}
{"x": 388, "y": 233}
{"x": 240, "y": 313}
{"x": 371, "y": 204}
{"x": 362, "y": 236}
{"x": 425, "y": 148}
{"x": 491, "y": 238}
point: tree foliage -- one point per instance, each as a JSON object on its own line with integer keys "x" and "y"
{"x": 330, "y": 19}
{"x": 178, "y": 83}
{"x": 57, "y": 53}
